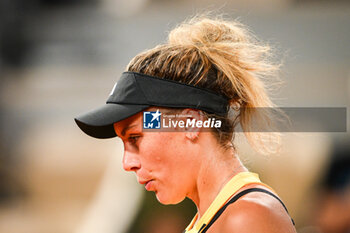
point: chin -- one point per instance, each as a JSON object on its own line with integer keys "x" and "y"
{"x": 166, "y": 200}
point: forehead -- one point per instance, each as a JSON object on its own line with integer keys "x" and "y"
{"x": 133, "y": 121}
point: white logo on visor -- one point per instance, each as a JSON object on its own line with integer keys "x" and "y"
{"x": 115, "y": 85}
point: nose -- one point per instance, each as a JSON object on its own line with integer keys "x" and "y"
{"x": 131, "y": 162}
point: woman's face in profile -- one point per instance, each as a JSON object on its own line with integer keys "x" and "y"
{"x": 161, "y": 160}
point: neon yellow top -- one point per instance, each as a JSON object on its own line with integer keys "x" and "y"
{"x": 237, "y": 182}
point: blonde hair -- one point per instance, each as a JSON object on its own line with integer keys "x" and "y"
{"x": 224, "y": 57}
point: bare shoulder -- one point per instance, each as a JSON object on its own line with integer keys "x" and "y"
{"x": 256, "y": 212}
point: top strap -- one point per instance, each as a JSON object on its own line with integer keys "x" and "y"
{"x": 205, "y": 227}
{"x": 226, "y": 193}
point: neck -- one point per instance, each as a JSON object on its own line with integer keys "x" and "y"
{"x": 212, "y": 177}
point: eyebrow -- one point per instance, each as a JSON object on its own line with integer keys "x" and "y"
{"x": 127, "y": 128}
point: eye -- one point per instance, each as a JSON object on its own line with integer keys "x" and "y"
{"x": 132, "y": 139}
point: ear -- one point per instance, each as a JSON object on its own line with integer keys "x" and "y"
{"x": 192, "y": 133}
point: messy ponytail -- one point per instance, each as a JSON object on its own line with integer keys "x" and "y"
{"x": 223, "y": 57}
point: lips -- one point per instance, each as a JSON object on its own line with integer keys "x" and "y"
{"x": 147, "y": 183}
{"x": 143, "y": 182}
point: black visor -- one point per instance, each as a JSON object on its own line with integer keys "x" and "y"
{"x": 134, "y": 92}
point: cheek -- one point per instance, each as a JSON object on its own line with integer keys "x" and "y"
{"x": 166, "y": 157}
{"x": 175, "y": 156}
{"x": 153, "y": 153}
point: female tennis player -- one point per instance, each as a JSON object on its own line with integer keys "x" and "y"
{"x": 176, "y": 108}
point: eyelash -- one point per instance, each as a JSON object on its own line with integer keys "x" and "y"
{"x": 133, "y": 139}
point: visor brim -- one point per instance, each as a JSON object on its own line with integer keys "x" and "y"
{"x": 98, "y": 123}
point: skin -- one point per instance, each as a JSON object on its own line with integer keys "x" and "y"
{"x": 198, "y": 169}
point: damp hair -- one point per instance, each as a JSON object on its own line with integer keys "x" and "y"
{"x": 224, "y": 57}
